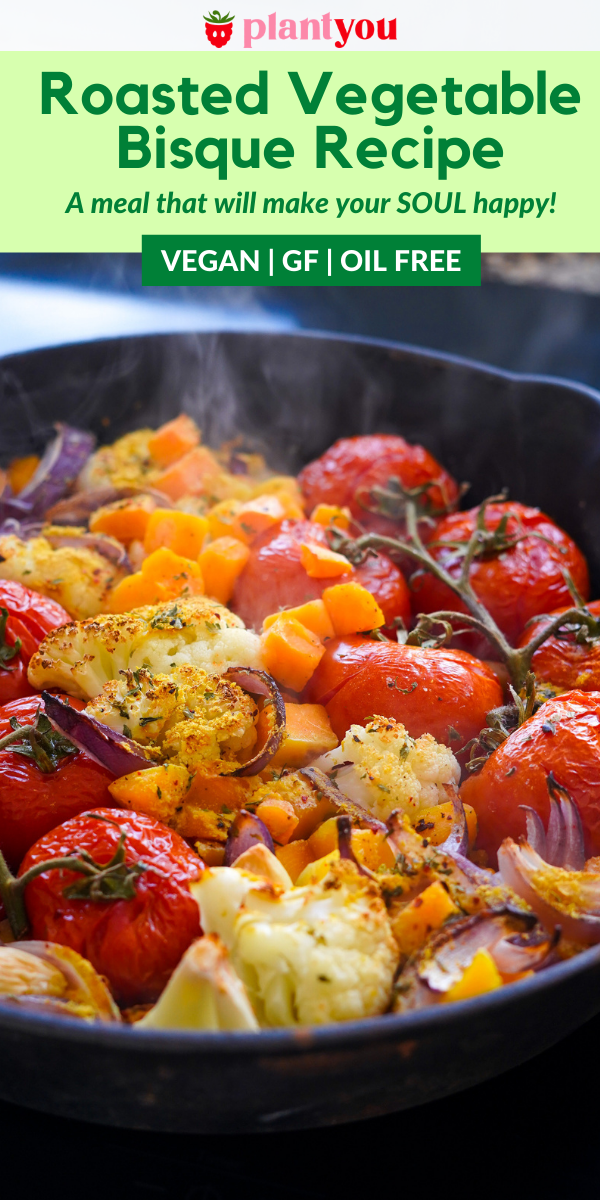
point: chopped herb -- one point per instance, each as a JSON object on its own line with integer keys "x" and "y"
{"x": 188, "y": 713}
{"x": 213, "y": 626}
{"x": 148, "y": 720}
{"x": 209, "y": 695}
{"x": 159, "y": 793}
{"x": 323, "y": 978}
{"x": 127, "y": 731}
{"x": 392, "y": 682}
{"x": 453, "y": 734}
{"x": 168, "y": 618}
{"x": 510, "y": 772}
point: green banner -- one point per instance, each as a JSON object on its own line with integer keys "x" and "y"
{"x": 319, "y": 261}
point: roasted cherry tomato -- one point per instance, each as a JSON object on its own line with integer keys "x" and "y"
{"x": 444, "y": 692}
{"x": 564, "y": 661}
{"x": 30, "y": 617}
{"x": 135, "y": 943}
{"x": 274, "y": 577}
{"x": 348, "y": 470}
{"x": 33, "y": 802}
{"x": 562, "y": 737}
{"x": 523, "y": 577}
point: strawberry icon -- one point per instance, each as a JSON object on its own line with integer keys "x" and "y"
{"x": 218, "y": 28}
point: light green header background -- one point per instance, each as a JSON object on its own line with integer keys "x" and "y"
{"x": 48, "y": 158}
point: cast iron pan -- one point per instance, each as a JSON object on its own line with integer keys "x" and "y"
{"x": 292, "y": 396}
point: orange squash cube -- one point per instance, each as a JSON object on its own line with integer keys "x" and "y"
{"x": 352, "y": 608}
{"x": 172, "y": 570}
{"x": 320, "y": 562}
{"x": 221, "y": 562}
{"x": 313, "y": 615}
{"x": 330, "y": 514}
{"x": 279, "y": 818}
{"x": 482, "y": 975}
{"x": 21, "y": 470}
{"x": 184, "y": 533}
{"x": 308, "y": 734}
{"x": 125, "y": 520}
{"x": 294, "y": 856}
{"x": 291, "y": 652}
{"x": 253, "y": 517}
{"x": 221, "y": 517}
{"x": 428, "y": 911}
{"x": 188, "y": 476}
{"x": 173, "y": 440}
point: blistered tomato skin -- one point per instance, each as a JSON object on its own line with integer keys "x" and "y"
{"x": 562, "y": 660}
{"x": 274, "y": 577}
{"x": 31, "y": 802}
{"x": 346, "y": 472}
{"x": 562, "y": 737}
{"x": 30, "y": 617}
{"x": 443, "y": 692}
{"x": 137, "y": 943}
{"x": 518, "y": 583}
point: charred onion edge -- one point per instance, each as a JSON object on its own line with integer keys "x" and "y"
{"x": 260, "y": 683}
{"x": 112, "y": 750}
{"x": 320, "y": 781}
{"x": 47, "y": 952}
{"x": 517, "y": 868}
{"x": 101, "y": 543}
{"x": 75, "y": 509}
{"x": 246, "y": 832}
{"x": 344, "y": 832}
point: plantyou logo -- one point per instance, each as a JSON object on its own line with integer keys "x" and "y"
{"x": 318, "y": 28}
{"x": 218, "y": 28}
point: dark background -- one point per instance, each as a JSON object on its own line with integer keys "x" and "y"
{"x": 530, "y": 1133}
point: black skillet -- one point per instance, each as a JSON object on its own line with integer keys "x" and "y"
{"x": 291, "y": 396}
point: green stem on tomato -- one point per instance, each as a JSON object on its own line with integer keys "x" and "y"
{"x": 517, "y": 661}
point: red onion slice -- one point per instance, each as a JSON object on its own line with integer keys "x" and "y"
{"x": 522, "y": 869}
{"x": 78, "y": 508}
{"x": 246, "y": 832}
{"x": 344, "y": 832}
{"x": 322, "y": 783}
{"x": 63, "y": 460}
{"x": 102, "y": 544}
{"x": 536, "y": 834}
{"x": 457, "y": 841}
{"x": 259, "y": 683}
{"x": 112, "y": 750}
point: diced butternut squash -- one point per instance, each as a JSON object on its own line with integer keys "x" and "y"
{"x": 221, "y": 562}
{"x": 203, "y": 823}
{"x": 481, "y": 976}
{"x": 352, "y": 608}
{"x": 126, "y": 520}
{"x": 255, "y": 516}
{"x": 164, "y": 576}
{"x": 428, "y": 911}
{"x": 320, "y": 562}
{"x": 294, "y": 857}
{"x": 133, "y": 592}
{"x": 21, "y": 470}
{"x": 221, "y": 793}
{"x": 435, "y": 823}
{"x": 308, "y": 734}
{"x": 188, "y": 476}
{"x": 313, "y": 615}
{"x": 317, "y": 870}
{"x": 170, "y": 569}
{"x": 211, "y": 853}
{"x": 330, "y": 514}
{"x": 279, "y": 818}
{"x": 221, "y": 517}
{"x": 184, "y": 533}
{"x": 158, "y": 792}
{"x": 371, "y": 848}
{"x": 323, "y": 840}
{"x": 290, "y": 652}
{"x": 173, "y": 440}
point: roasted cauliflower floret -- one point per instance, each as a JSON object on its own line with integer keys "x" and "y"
{"x": 127, "y": 463}
{"x": 389, "y": 769}
{"x": 199, "y": 721}
{"x": 306, "y": 955}
{"x": 78, "y": 578}
{"x": 82, "y": 657}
